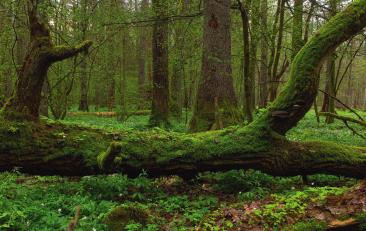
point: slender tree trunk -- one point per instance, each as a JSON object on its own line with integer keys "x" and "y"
{"x": 141, "y": 59}
{"x": 84, "y": 85}
{"x": 263, "y": 76}
{"x": 275, "y": 78}
{"x": 254, "y": 38}
{"x": 247, "y": 78}
{"x": 178, "y": 74}
{"x": 160, "y": 102}
{"x": 330, "y": 84}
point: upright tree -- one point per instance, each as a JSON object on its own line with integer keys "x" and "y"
{"x": 84, "y": 77}
{"x": 330, "y": 82}
{"x": 160, "y": 102}
{"x": 41, "y": 55}
{"x": 216, "y": 103}
{"x": 263, "y": 75}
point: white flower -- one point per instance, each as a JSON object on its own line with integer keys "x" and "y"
{"x": 94, "y": 229}
{"x": 59, "y": 210}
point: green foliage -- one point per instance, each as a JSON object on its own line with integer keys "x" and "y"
{"x": 292, "y": 204}
{"x": 307, "y": 226}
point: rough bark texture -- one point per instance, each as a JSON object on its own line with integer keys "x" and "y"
{"x": 42, "y": 54}
{"x": 216, "y": 103}
{"x": 56, "y": 149}
{"x": 160, "y": 102}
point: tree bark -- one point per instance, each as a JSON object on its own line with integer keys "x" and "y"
{"x": 160, "y": 102}
{"x": 42, "y": 54}
{"x": 263, "y": 75}
{"x": 141, "y": 59}
{"x": 247, "y": 80}
{"x": 275, "y": 78}
{"x": 84, "y": 80}
{"x": 216, "y": 100}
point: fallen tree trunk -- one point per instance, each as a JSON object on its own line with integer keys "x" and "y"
{"x": 64, "y": 150}
{"x": 56, "y": 149}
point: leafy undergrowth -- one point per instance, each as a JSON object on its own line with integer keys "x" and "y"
{"x": 234, "y": 200}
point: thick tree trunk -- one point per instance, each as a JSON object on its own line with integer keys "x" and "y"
{"x": 56, "y": 149}
{"x": 42, "y": 54}
{"x": 160, "y": 102}
{"x": 216, "y": 103}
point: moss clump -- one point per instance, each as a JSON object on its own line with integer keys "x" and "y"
{"x": 306, "y": 226}
{"x": 105, "y": 159}
{"x": 123, "y": 215}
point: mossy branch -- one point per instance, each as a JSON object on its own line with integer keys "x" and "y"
{"x": 59, "y": 53}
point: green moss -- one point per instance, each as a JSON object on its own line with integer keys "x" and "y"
{"x": 123, "y": 215}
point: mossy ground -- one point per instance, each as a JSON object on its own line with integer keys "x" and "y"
{"x": 212, "y": 201}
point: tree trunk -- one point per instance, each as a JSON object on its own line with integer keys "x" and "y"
{"x": 247, "y": 78}
{"x": 42, "y": 54}
{"x": 84, "y": 85}
{"x": 216, "y": 83}
{"x": 330, "y": 83}
{"x": 74, "y": 151}
{"x": 254, "y": 38}
{"x": 178, "y": 74}
{"x": 141, "y": 59}
{"x": 160, "y": 102}
{"x": 263, "y": 76}
{"x": 275, "y": 78}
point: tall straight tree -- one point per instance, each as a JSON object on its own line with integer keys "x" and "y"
{"x": 248, "y": 77}
{"x": 263, "y": 75}
{"x": 176, "y": 94}
{"x": 330, "y": 83}
{"x": 83, "y": 23}
{"x": 160, "y": 93}
{"x": 216, "y": 103}
{"x": 141, "y": 57}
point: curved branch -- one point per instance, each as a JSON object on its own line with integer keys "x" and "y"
{"x": 298, "y": 96}
{"x": 59, "y": 53}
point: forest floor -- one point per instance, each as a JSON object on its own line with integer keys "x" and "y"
{"x": 234, "y": 200}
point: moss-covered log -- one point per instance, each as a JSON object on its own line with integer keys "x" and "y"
{"x": 58, "y": 149}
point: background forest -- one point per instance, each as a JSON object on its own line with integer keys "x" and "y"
{"x": 141, "y": 120}
{"x": 116, "y": 75}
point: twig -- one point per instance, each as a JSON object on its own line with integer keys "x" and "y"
{"x": 339, "y": 101}
{"x": 74, "y": 221}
